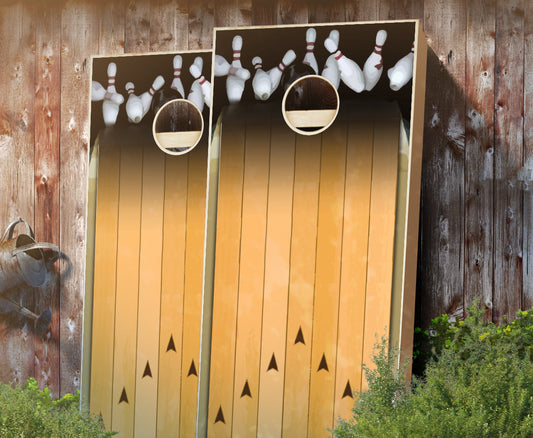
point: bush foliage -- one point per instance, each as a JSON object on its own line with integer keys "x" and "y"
{"x": 28, "y": 412}
{"x": 478, "y": 383}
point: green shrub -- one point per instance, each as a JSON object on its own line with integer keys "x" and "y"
{"x": 29, "y": 412}
{"x": 478, "y": 384}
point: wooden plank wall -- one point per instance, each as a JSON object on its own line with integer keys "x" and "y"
{"x": 476, "y": 211}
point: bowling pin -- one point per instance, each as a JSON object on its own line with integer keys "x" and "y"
{"x": 196, "y": 71}
{"x": 97, "y": 91}
{"x": 112, "y": 99}
{"x": 331, "y": 43}
{"x": 373, "y": 67}
{"x": 234, "y": 83}
{"x": 196, "y": 95}
{"x": 331, "y": 71}
{"x": 309, "y": 58}
{"x": 176, "y": 82}
{"x": 134, "y": 106}
{"x": 224, "y": 68}
{"x": 402, "y": 72}
{"x": 261, "y": 81}
{"x": 147, "y": 96}
{"x": 276, "y": 72}
{"x": 351, "y": 74}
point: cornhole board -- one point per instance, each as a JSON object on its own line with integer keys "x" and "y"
{"x": 312, "y": 255}
{"x": 145, "y": 264}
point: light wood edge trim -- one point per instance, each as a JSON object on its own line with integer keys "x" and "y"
{"x": 413, "y": 197}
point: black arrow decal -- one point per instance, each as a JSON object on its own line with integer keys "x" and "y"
{"x": 323, "y": 364}
{"x": 273, "y": 364}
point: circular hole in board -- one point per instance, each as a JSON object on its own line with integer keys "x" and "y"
{"x": 310, "y": 105}
{"x": 178, "y": 127}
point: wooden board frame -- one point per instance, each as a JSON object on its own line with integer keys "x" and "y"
{"x": 146, "y": 419}
{"x": 407, "y": 204}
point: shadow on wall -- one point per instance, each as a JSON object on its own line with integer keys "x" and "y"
{"x": 442, "y": 205}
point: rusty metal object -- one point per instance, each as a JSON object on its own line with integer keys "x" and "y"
{"x": 23, "y": 264}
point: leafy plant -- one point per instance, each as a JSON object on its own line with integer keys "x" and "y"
{"x": 479, "y": 383}
{"x": 30, "y": 412}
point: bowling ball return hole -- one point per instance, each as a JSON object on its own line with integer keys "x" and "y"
{"x": 310, "y": 105}
{"x": 177, "y": 127}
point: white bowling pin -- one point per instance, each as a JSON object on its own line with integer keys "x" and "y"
{"x": 309, "y": 58}
{"x": 221, "y": 66}
{"x": 206, "y": 90}
{"x": 176, "y": 82}
{"x": 224, "y": 68}
{"x": 351, "y": 73}
{"x": 196, "y": 96}
{"x": 134, "y": 106}
{"x": 331, "y": 43}
{"x": 196, "y": 67}
{"x": 236, "y": 46}
{"x": 234, "y": 83}
{"x": 147, "y": 96}
{"x": 112, "y": 99}
{"x": 276, "y": 72}
{"x": 97, "y": 91}
{"x": 196, "y": 71}
{"x": 261, "y": 82}
{"x": 373, "y": 67}
{"x": 331, "y": 71}
{"x": 402, "y": 72}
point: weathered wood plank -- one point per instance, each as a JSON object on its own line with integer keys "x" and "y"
{"x": 17, "y": 171}
{"x": 229, "y": 13}
{"x": 479, "y": 151}
{"x": 291, "y": 11}
{"x": 443, "y": 169}
{"x": 201, "y": 23}
{"x": 79, "y": 39}
{"x": 326, "y": 12}
{"x": 111, "y": 27}
{"x": 263, "y": 12}
{"x": 47, "y": 220}
{"x": 137, "y": 26}
{"x": 251, "y": 274}
{"x": 169, "y": 24}
{"x": 405, "y": 9}
{"x": 365, "y": 10}
{"x": 387, "y": 10}
{"x": 508, "y": 156}
{"x": 527, "y": 288}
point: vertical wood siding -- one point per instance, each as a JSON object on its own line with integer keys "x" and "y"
{"x": 476, "y": 211}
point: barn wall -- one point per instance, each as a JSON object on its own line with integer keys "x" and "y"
{"x": 476, "y": 203}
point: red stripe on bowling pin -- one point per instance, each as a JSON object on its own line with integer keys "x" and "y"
{"x": 236, "y": 55}
{"x": 177, "y": 72}
{"x": 152, "y": 91}
{"x": 310, "y": 47}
